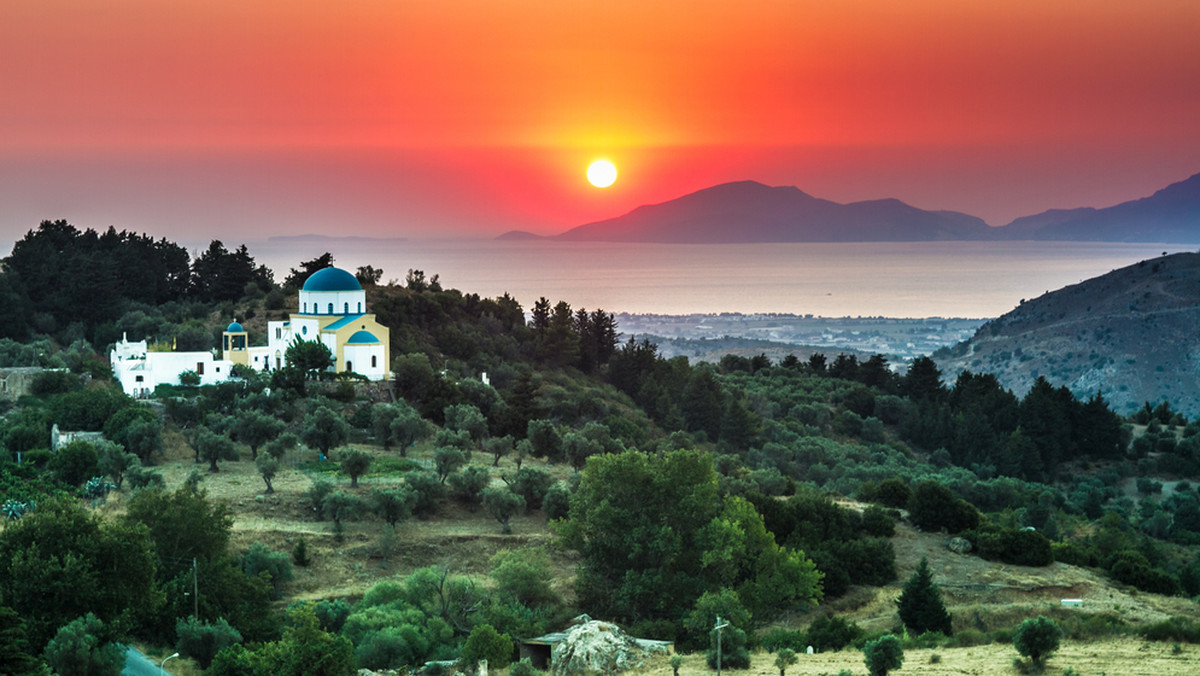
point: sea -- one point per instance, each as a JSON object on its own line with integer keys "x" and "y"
{"x": 890, "y": 279}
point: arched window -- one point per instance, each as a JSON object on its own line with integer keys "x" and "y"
{"x": 331, "y": 308}
{"x": 345, "y": 308}
{"x": 373, "y": 361}
{"x": 349, "y": 366}
{"x": 360, "y": 307}
{"x": 306, "y": 308}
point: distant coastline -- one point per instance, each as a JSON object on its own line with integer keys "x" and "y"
{"x": 891, "y": 279}
{"x": 316, "y": 239}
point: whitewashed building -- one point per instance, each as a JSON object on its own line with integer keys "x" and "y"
{"x": 332, "y": 311}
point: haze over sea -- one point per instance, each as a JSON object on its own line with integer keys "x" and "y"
{"x": 889, "y": 279}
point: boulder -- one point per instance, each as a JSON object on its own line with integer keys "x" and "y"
{"x": 595, "y": 647}
{"x": 959, "y": 545}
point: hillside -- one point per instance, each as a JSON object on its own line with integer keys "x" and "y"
{"x": 1130, "y": 334}
{"x": 981, "y": 595}
{"x": 1169, "y": 215}
{"x": 464, "y": 540}
{"x": 748, "y": 211}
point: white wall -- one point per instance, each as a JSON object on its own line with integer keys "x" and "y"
{"x": 317, "y": 302}
{"x": 359, "y": 357}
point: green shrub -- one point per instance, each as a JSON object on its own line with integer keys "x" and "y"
{"x": 533, "y": 485}
{"x": 1037, "y": 638}
{"x": 485, "y": 643}
{"x": 202, "y": 641}
{"x": 1010, "y": 545}
{"x": 38, "y": 457}
{"x": 1076, "y": 553}
{"x": 933, "y": 507}
{"x": 1002, "y": 636}
{"x": 777, "y": 639}
{"x": 524, "y": 574}
{"x": 1172, "y": 629}
{"x": 883, "y": 655}
{"x": 557, "y": 502}
{"x": 54, "y": 382}
{"x": 331, "y": 615}
{"x": 968, "y": 638}
{"x": 832, "y": 633}
{"x": 785, "y": 659}
{"x": 878, "y": 522}
{"x": 1093, "y": 626}
{"x": 661, "y": 630}
{"x": 80, "y": 648}
{"x": 929, "y": 639}
{"x": 735, "y": 653}
{"x": 1132, "y": 568}
{"x": 300, "y": 553}
{"x": 467, "y": 485}
{"x": 524, "y": 668}
{"x": 75, "y": 463}
{"x": 429, "y": 492}
{"x": 260, "y": 559}
{"x": 389, "y": 648}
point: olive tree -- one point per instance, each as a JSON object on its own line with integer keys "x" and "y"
{"x": 883, "y": 655}
{"x": 1036, "y": 638}
{"x": 502, "y": 504}
{"x": 355, "y": 463}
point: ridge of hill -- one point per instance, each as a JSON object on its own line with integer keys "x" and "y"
{"x": 748, "y": 212}
{"x": 1129, "y": 334}
{"x": 1169, "y": 215}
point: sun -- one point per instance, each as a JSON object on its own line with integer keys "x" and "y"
{"x": 602, "y": 173}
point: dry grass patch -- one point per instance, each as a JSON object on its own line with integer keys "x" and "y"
{"x": 455, "y": 537}
{"x": 1124, "y": 657}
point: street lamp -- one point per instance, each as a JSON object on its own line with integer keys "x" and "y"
{"x": 160, "y": 664}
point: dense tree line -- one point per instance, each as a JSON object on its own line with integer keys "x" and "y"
{"x": 67, "y": 283}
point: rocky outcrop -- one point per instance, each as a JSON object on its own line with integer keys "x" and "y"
{"x": 595, "y": 647}
{"x": 959, "y": 545}
{"x": 1129, "y": 334}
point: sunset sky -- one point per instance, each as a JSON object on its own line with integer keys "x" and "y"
{"x": 192, "y": 119}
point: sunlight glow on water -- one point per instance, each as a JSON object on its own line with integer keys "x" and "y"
{"x": 909, "y": 279}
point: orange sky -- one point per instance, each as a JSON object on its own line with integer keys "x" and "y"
{"x": 476, "y": 116}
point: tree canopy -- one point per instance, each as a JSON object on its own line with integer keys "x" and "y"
{"x": 654, "y": 536}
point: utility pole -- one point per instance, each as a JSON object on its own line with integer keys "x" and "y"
{"x": 718, "y": 629}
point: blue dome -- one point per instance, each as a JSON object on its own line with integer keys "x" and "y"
{"x": 234, "y": 328}
{"x": 362, "y": 338}
{"x": 331, "y": 279}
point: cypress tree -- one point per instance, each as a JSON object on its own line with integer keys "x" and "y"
{"x": 920, "y": 604}
{"x": 15, "y": 655}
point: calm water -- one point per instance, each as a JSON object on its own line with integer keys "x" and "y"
{"x": 924, "y": 279}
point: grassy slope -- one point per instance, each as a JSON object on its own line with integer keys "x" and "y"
{"x": 979, "y": 593}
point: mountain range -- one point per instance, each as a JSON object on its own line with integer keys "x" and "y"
{"x": 749, "y": 212}
{"x": 1129, "y": 334}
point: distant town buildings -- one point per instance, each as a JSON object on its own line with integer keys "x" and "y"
{"x": 331, "y": 310}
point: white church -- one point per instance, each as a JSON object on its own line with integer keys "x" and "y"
{"x": 332, "y": 311}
